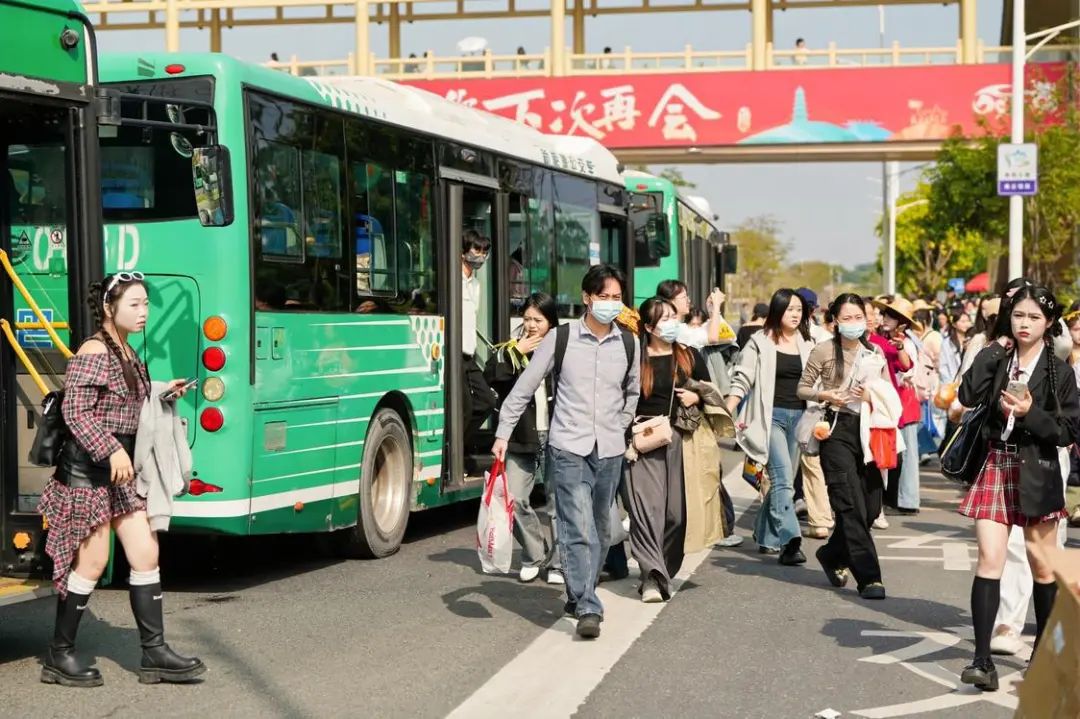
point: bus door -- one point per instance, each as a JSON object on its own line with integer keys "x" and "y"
{"x": 472, "y": 203}
{"x": 43, "y": 208}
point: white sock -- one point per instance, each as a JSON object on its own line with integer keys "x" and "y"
{"x": 143, "y": 579}
{"x": 80, "y": 585}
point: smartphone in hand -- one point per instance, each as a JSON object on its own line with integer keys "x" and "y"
{"x": 1017, "y": 388}
{"x": 173, "y": 394}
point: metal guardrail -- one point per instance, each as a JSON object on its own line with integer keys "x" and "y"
{"x": 489, "y": 65}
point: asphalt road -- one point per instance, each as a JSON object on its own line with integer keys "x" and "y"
{"x": 289, "y": 633}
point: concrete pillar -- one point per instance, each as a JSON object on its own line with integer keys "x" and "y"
{"x": 759, "y": 10}
{"x": 215, "y": 30}
{"x": 172, "y": 26}
{"x": 395, "y": 30}
{"x": 579, "y": 26}
{"x": 363, "y": 41}
{"x": 968, "y": 32}
{"x": 558, "y": 37}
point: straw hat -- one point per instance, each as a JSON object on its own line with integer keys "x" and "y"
{"x": 901, "y": 308}
{"x": 921, "y": 304}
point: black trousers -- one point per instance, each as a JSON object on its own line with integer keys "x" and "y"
{"x": 855, "y": 490}
{"x": 480, "y": 399}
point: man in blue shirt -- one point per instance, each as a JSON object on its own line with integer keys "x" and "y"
{"x": 596, "y": 397}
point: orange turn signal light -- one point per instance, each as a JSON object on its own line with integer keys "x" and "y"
{"x": 215, "y": 328}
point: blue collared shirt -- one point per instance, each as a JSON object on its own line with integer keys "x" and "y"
{"x": 592, "y": 409}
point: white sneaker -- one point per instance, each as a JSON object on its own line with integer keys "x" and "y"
{"x": 881, "y": 522}
{"x": 733, "y": 540}
{"x": 555, "y": 577}
{"x": 650, "y": 593}
{"x": 528, "y": 574}
{"x": 1005, "y": 642}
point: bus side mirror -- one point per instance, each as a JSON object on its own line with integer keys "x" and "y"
{"x": 211, "y": 175}
{"x": 730, "y": 259}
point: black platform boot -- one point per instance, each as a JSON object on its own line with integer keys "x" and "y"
{"x": 159, "y": 662}
{"x": 61, "y": 665}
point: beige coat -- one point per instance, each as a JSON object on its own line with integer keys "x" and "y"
{"x": 702, "y": 473}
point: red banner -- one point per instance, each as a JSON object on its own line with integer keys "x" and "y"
{"x": 771, "y": 107}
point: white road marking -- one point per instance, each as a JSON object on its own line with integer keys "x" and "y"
{"x": 582, "y": 665}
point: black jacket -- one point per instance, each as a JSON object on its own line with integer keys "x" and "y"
{"x": 500, "y": 375}
{"x": 1039, "y": 433}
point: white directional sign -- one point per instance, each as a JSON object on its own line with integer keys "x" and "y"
{"x": 1017, "y": 169}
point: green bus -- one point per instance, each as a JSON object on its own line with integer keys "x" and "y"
{"x": 675, "y": 237}
{"x": 302, "y": 240}
{"x": 50, "y": 244}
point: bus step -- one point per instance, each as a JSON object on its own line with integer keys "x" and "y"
{"x": 14, "y": 590}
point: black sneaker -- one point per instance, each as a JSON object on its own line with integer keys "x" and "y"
{"x": 570, "y": 609}
{"x": 838, "y": 576}
{"x": 873, "y": 590}
{"x": 588, "y": 626}
{"x": 792, "y": 554}
{"x": 982, "y": 674}
{"x": 767, "y": 550}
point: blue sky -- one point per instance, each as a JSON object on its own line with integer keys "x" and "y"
{"x": 828, "y": 209}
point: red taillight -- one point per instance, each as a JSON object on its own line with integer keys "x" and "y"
{"x": 213, "y": 358}
{"x": 174, "y": 69}
{"x": 642, "y": 187}
{"x": 198, "y": 487}
{"x": 212, "y": 419}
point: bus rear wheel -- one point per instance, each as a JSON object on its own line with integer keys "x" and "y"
{"x": 385, "y": 480}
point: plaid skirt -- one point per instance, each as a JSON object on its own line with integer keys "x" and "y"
{"x": 74, "y": 514}
{"x": 995, "y": 495}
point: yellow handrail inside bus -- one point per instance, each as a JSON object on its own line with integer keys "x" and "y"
{"x": 39, "y": 326}
{"x": 33, "y": 306}
{"x": 5, "y": 326}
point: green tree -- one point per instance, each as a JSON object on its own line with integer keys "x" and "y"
{"x": 930, "y": 251}
{"x": 964, "y": 209}
{"x": 815, "y": 274}
{"x": 762, "y": 256}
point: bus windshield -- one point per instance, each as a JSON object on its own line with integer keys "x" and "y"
{"x": 146, "y": 163}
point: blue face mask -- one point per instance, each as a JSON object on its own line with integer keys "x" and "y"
{"x": 668, "y": 330}
{"x": 852, "y": 330}
{"x": 605, "y": 311}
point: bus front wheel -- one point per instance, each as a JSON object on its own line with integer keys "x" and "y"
{"x": 385, "y": 479}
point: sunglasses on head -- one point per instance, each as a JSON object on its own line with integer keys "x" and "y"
{"x": 121, "y": 277}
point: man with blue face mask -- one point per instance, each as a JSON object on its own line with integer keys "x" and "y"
{"x": 480, "y": 399}
{"x": 597, "y": 369}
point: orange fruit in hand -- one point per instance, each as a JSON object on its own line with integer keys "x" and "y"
{"x": 822, "y": 430}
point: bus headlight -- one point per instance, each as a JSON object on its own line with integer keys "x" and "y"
{"x": 213, "y": 389}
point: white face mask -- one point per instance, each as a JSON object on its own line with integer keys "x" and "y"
{"x": 668, "y": 330}
{"x": 605, "y": 311}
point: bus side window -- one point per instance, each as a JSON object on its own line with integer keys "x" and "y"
{"x": 277, "y": 171}
{"x": 373, "y": 203}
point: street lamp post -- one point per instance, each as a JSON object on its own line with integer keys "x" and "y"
{"x": 1016, "y": 202}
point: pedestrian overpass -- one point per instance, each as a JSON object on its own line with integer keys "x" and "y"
{"x": 754, "y": 103}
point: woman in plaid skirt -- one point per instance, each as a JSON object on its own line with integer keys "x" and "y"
{"x": 1034, "y": 410}
{"x": 93, "y": 490}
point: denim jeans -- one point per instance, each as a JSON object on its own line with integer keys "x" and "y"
{"x": 584, "y": 490}
{"x": 776, "y": 523}
{"x": 907, "y": 495}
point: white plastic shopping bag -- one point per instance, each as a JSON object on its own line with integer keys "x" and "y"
{"x": 495, "y": 525}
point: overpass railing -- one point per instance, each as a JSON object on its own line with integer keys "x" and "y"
{"x": 629, "y": 61}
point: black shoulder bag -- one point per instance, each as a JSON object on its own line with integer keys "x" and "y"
{"x": 51, "y": 431}
{"x": 964, "y": 453}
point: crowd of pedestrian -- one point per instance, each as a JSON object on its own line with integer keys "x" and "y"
{"x": 837, "y": 410}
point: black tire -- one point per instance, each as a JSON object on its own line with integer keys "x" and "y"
{"x": 385, "y": 483}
